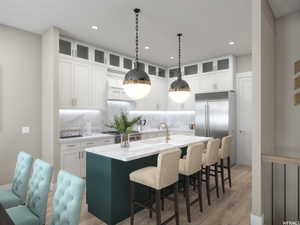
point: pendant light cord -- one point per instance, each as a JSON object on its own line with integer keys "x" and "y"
{"x": 136, "y": 11}
{"x": 179, "y": 56}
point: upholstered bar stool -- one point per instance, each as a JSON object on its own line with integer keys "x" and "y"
{"x": 157, "y": 178}
{"x": 211, "y": 158}
{"x": 188, "y": 166}
{"x": 17, "y": 194}
{"x": 224, "y": 153}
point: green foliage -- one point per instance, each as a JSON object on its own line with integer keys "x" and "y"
{"x": 123, "y": 124}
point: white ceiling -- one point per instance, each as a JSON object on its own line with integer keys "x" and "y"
{"x": 207, "y": 25}
{"x": 284, "y": 7}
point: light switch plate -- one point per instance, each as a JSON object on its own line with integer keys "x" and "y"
{"x": 25, "y": 130}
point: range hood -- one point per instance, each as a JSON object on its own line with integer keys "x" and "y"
{"x": 115, "y": 86}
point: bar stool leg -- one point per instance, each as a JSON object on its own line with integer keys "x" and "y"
{"x": 162, "y": 200}
{"x": 207, "y": 178}
{"x": 176, "y": 203}
{"x": 151, "y": 202}
{"x": 217, "y": 180}
{"x": 187, "y": 197}
{"x": 222, "y": 176}
{"x": 158, "y": 207}
{"x": 229, "y": 171}
{"x": 199, "y": 177}
{"x": 131, "y": 203}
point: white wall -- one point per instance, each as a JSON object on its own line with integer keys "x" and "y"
{"x": 243, "y": 63}
{"x": 20, "y": 97}
{"x": 287, "y": 116}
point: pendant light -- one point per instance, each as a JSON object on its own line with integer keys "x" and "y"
{"x": 137, "y": 84}
{"x": 179, "y": 90}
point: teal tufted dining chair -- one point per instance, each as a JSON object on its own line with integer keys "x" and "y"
{"x": 34, "y": 212}
{"x": 17, "y": 194}
{"x": 67, "y": 199}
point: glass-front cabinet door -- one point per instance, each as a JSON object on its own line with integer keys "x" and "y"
{"x": 99, "y": 56}
{"x": 65, "y": 46}
{"x": 127, "y": 63}
{"x": 82, "y": 51}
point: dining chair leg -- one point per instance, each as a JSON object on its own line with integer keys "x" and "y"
{"x": 207, "y": 178}
{"x": 131, "y": 196}
{"x": 158, "y": 207}
{"x": 217, "y": 180}
{"x": 176, "y": 203}
{"x": 199, "y": 177}
{"x": 222, "y": 176}
{"x": 229, "y": 171}
{"x": 187, "y": 197}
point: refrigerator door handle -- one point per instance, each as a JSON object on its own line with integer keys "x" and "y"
{"x": 207, "y": 118}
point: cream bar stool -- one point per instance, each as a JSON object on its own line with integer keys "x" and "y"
{"x": 188, "y": 166}
{"x": 157, "y": 178}
{"x": 211, "y": 158}
{"x": 224, "y": 153}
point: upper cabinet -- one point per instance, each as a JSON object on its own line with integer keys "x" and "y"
{"x": 157, "y": 98}
{"x": 82, "y": 85}
{"x": 99, "y": 56}
{"x": 65, "y": 47}
{"x": 114, "y": 60}
{"x": 152, "y": 70}
{"x": 82, "y": 51}
{"x": 127, "y": 63}
{"x": 191, "y": 69}
{"x": 219, "y": 64}
{"x": 161, "y": 72}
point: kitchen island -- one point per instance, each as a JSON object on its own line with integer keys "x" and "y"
{"x": 108, "y": 168}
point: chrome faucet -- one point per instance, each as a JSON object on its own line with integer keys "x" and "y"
{"x": 165, "y": 125}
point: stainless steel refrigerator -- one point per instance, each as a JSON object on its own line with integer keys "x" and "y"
{"x": 215, "y": 115}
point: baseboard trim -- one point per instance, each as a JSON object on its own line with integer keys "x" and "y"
{"x": 257, "y": 220}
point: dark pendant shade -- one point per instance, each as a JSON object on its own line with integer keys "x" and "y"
{"x": 179, "y": 85}
{"x": 136, "y": 76}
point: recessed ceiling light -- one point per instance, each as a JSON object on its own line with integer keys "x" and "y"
{"x": 94, "y": 27}
{"x": 147, "y": 47}
{"x": 231, "y": 43}
{"x": 172, "y": 57}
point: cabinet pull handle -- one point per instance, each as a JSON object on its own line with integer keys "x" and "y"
{"x": 71, "y": 145}
{"x": 78, "y": 155}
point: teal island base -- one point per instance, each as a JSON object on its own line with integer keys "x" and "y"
{"x": 107, "y": 183}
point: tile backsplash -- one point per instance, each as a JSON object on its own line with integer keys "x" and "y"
{"x": 70, "y": 119}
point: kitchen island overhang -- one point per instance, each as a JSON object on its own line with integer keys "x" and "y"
{"x": 107, "y": 174}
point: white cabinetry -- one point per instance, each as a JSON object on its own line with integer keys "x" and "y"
{"x": 73, "y": 155}
{"x": 82, "y": 85}
{"x": 66, "y": 83}
{"x": 71, "y": 158}
{"x": 157, "y": 98}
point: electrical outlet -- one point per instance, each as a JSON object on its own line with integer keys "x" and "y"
{"x": 25, "y": 130}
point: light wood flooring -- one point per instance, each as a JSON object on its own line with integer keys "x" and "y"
{"x": 233, "y": 208}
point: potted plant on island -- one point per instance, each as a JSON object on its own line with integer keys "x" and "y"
{"x": 124, "y": 125}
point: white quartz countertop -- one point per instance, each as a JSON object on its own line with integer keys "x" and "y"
{"x": 84, "y": 138}
{"x": 144, "y": 148}
{"x": 153, "y": 130}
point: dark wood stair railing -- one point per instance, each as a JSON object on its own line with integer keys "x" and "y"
{"x": 284, "y": 161}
